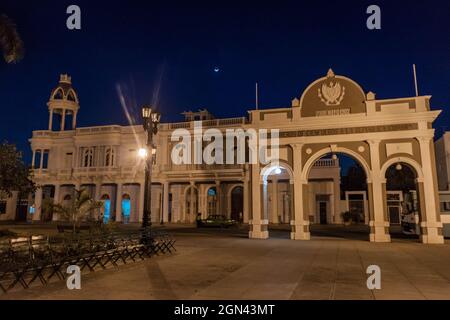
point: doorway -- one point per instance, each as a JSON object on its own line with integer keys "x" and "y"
{"x": 237, "y": 204}
{"x": 323, "y": 212}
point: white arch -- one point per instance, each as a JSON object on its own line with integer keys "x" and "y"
{"x": 406, "y": 160}
{"x": 55, "y": 92}
{"x": 71, "y": 91}
{"x": 271, "y": 167}
{"x": 309, "y": 164}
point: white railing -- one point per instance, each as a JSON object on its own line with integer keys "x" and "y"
{"x": 101, "y": 129}
{"x": 205, "y": 167}
{"x": 205, "y": 123}
{"x": 326, "y": 163}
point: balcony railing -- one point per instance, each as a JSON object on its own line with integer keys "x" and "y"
{"x": 326, "y": 163}
{"x": 205, "y": 167}
{"x": 205, "y": 123}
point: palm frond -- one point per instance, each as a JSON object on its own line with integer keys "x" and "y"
{"x": 10, "y": 42}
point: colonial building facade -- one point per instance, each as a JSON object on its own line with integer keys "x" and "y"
{"x": 332, "y": 116}
{"x": 443, "y": 167}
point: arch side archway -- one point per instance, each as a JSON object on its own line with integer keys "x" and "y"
{"x": 319, "y": 154}
{"x": 414, "y": 164}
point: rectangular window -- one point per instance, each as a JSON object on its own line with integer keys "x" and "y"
{"x": 2, "y": 206}
{"x": 445, "y": 206}
{"x": 45, "y": 160}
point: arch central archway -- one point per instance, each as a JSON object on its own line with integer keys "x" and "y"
{"x": 319, "y": 154}
{"x": 336, "y": 194}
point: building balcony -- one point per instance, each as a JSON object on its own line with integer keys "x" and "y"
{"x": 202, "y": 167}
{"x": 215, "y": 123}
{"x": 326, "y": 163}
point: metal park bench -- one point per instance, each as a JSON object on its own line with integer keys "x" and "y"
{"x": 24, "y": 260}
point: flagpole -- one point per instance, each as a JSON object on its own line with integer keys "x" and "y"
{"x": 256, "y": 96}
{"x": 415, "y": 80}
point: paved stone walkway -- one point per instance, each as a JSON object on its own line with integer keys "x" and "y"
{"x": 226, "y": 265}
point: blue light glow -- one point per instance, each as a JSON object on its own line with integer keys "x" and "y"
{"x": 107, "y": 207}
{"x": 126, "y": 207}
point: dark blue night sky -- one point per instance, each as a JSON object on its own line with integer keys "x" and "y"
{"x": 165, "y": 52}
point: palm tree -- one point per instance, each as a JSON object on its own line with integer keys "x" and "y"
{"x": 10, "y": 42}
{"x": 82, "y": 207}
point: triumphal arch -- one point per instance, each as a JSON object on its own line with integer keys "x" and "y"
{"x": 334, "y": 115}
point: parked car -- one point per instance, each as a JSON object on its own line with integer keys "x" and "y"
{"x": 216, "y": 221}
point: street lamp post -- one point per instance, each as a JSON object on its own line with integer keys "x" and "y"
{"x": 150, "y": 123}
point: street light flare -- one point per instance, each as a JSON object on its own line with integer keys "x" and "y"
{"x": 142, "y": 152}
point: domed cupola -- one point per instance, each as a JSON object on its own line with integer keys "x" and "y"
{"x": 63, "y": 103}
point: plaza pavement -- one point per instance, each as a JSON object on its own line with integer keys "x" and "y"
{"x": 224, "y": 264}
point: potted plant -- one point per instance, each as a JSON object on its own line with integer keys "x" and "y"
{"x": 347, "y": 217}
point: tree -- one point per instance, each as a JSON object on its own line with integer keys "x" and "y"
{"x": 10, "y": 42}
{"x": 82, "y": 207}
{"x": 14, "y": 174}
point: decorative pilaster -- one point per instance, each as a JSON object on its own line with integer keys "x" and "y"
{"x": 166, "y": 202}
{"x": 37, "y": 204}
{"x": 258, "y": 225}
{"x": 379, "y": 225}
{"x": 246, "y": 200}
{"x": 141, "y": 201}
{"x": 431, "y": 226}
{"x": 119, "y": 202}
{"x": 300, "y": 219}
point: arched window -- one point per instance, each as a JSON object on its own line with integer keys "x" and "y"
{"x": 71, "y": 96}
{"x": 88, "y": 157}
{"x": 109, "y": 157}
{"x": 106, "y": 208}
{"x": 58, "y": 94}
{"x": 212, "y": 201}
{"x": 126, "y": 208}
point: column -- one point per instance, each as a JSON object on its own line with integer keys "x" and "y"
{"x": 41, "y": 163}
{"x": 37, "y": 204}
{"x": 141, "y": 201}
{"x": 246, "y": 201}
{"x": 56, "y": 200}
{"x": 192, "y": 203}
{"x": 336, "y": 202}
{"x": 119, "y": 203}
{"x": 63, "y": 120}
{"x": 258, "y": 225}
{"x": 431, "y": 226}
{"x": 166, "y": 202}
{"x": 98, "y": 189}
{"x": 300, "y": 219}
{"x": 218, "y": 198}
{"x": 33, "y": 159}
{"x": 379, "y": 225}
{"x": 50, "y": 120}
{"x": 74, "y": 120}
{"x": 274, "y": 199}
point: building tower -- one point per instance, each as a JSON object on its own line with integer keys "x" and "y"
{"x": 63, "y": 104}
